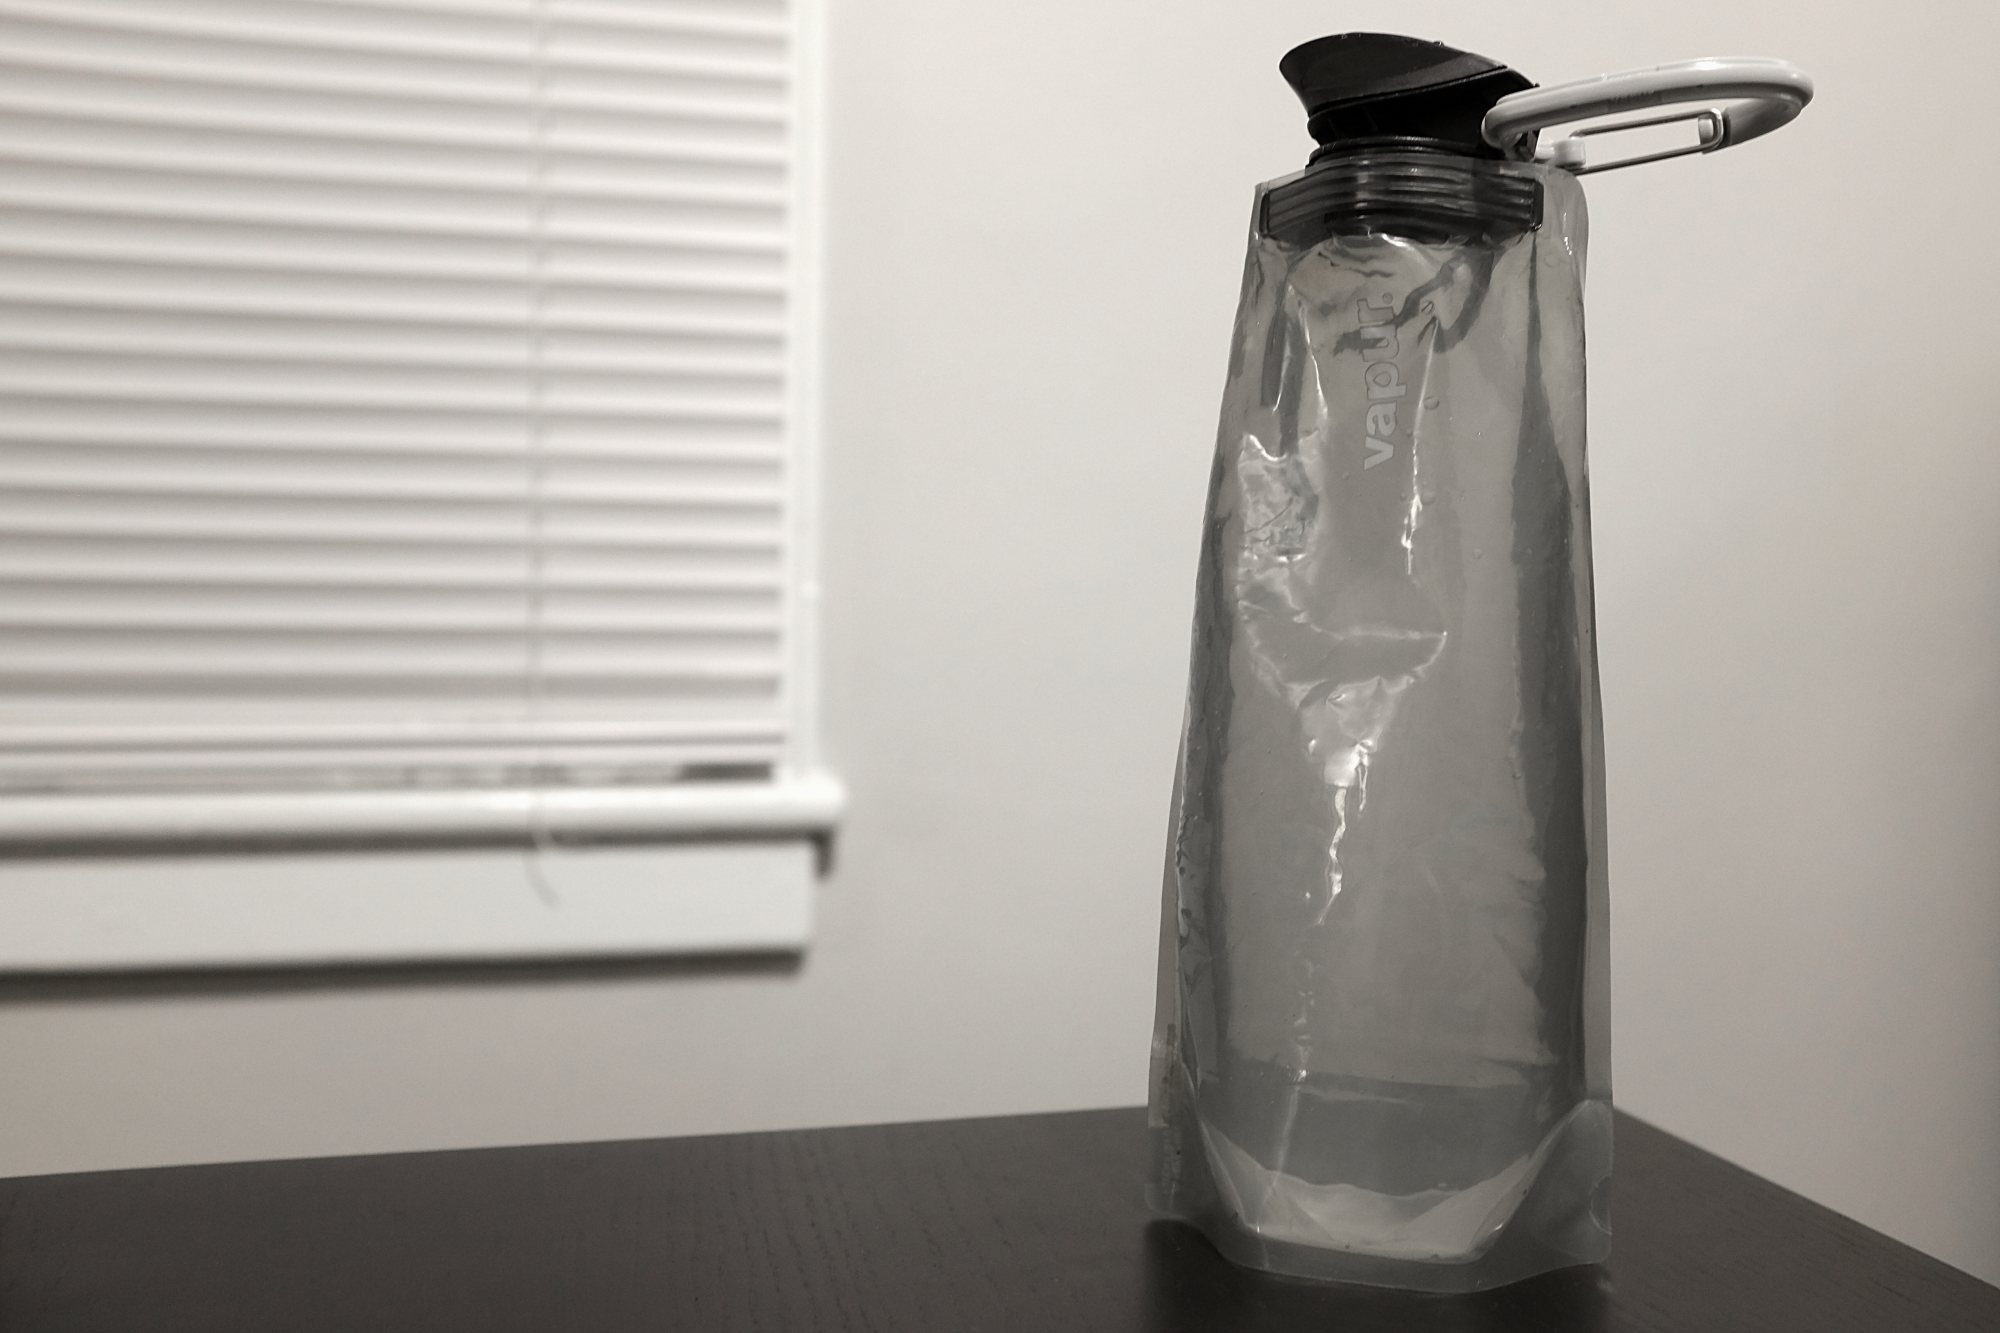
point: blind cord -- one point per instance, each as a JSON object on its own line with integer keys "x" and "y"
{"x": 541, "y": 841}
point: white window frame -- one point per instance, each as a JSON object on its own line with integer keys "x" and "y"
{"x": 310, "y": 878}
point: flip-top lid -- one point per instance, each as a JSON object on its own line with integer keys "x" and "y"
{"x": 1375, "y": 85}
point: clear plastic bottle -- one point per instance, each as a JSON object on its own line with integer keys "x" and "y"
{"x": 1382, "y": 1052}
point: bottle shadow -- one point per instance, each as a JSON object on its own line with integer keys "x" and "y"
{"x": 1189, "y": 1286}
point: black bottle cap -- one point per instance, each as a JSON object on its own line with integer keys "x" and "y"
{"x": 1377, "y": 85}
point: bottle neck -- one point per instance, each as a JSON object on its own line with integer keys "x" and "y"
{"x": 1403, "y": 187}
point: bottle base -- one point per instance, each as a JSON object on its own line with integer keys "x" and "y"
{"x": 1557, "y": 1219}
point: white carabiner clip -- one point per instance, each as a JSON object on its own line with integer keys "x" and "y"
{"x": 1764, "y": 95}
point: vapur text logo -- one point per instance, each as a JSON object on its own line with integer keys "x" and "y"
{"x": 1383, "y": 377}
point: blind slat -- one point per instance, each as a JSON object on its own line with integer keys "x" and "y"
{"x": 490, "y": 26}
{"x": 385, "y": 51}
{"x": 258, "y": 765}
{"x": 258, "y": 475}
{"x": 222, "y": 611}
{"x": 335, "y": 386}
{"x": 692, "y": 270}
{"x": 657, "y": 165}
{"x": 431, "y": 90}
{"x": 136, "y": 725}
{"x": 447, "y": 319}
{"x": 336, "y": 291}
{"x": 602, "y": 155}
{"x": 221, "y": 394}
{"x": 580, "y": 453}
{"x": 319, "y": 107}
{"x": 332, "y": 664}
{"x": 634, "y": 503}
{"x": 221, "y": 526}
{"x": 381, "y": 571}
{"x": 85, "y": 333}
{"x": 216, "y": 223}
{"x": 752, "y": 17}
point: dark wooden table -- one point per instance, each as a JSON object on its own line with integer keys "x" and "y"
{"x": 1031, "y": 1223}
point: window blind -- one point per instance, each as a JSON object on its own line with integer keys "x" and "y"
{"x": 401, "y": 396}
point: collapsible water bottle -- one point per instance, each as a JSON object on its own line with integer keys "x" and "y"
{"x": 1382, "y": 1052}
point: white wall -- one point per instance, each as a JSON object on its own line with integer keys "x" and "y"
{"x": 1036, "y": 220}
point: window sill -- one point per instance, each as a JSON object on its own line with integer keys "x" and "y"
{"x": 729, "y": 870}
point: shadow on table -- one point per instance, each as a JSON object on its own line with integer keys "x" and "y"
{"x": 1190, "y": 1286}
